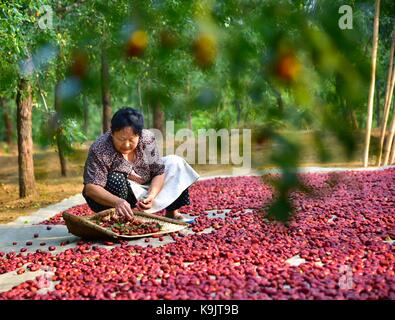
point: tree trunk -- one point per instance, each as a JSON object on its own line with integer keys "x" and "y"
{"x": 159, "y": 118}
{"x": 377, "y": 107}
{"x": 344, "y": 108}
{"x": 139, "y": 94}
{"x": 27, "y": 183}
{"x": 392, "y": 157}
{"x": 105, "y": 85}
{"x": 388, "y": 92}
{"x": 188, "y": 92}
{"x": 59, "y": 137}
{"x": 141, "y": 106}
{"x": 148, "y": 122}
{"x": 279, "y": 99}
{"x": 238, "y": 109}
{"x": 354, "y": 120}
{"x": 86, "y": 114}
{"x": 351, "y": 116}
{"x": 150, "y": 116}
{"x": 190, "y": 120}
{"x": 7, "y": 120}
{"x": 372, "y": 84}
{"x": 387, "y": 109}
{"x": 390, "y": 138}
{"x": 62, "y": 159}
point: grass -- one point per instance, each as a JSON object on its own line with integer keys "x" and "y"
{"x": 53, "y": 188}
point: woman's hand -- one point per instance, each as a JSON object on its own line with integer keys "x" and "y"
{"x": 156, "y": 185}
{"x": 105, "y": 198}
{"x": 123, "y": 208}
{"x": 145, "y": 203}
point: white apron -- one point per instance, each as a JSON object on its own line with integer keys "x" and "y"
{"x": 179, "y": 175}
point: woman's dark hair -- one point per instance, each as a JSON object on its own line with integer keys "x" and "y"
{"x": 127, "y": 117}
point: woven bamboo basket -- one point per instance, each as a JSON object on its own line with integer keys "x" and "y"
{"x": 85, "y": 228}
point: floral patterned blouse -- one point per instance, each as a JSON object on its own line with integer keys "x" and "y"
{"x": 103, "y": 158}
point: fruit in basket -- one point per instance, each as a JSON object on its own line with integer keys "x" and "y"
{"x": 121, "y": 226}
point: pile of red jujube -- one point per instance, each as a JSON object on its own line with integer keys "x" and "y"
{"x": 122, "y": 226}
{"x": 342, "y": 230}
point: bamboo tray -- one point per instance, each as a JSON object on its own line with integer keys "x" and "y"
{"x": 85, "y": 228}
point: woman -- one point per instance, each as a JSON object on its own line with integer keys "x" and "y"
{"x": 124, "y": 170}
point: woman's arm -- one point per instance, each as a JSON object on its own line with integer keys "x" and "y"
{"x": 156, "y": 185}
{"x": 105, "y": 198}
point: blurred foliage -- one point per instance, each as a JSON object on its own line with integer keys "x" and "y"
{"x": 271, "y": 65}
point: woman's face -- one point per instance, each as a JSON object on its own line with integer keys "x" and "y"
{"x": 125, "y": 140}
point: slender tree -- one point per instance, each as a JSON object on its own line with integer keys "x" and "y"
{"x": 188, "y": 92}
{"x": 388, "y": 144}
{"x": 105, "y": 85}
{"x": 159, "y": 117}
{"x": 388, "y": 92}
{"x": 7, "y": 120}
{"x": 86, "y": 114}
{"x": 141, "y": 105}
{"x": 27, "y": 183}
{"x": 372, "y": 83}
{"x": 392, "y": 154}
{"x": 60, "y": 146}
{"x": 377, "y": 105}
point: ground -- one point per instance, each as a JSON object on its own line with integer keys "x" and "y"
{"x": 339, "y": 246}
{"x": 53, "y": 188}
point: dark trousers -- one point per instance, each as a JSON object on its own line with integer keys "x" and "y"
{"x": 118, "y": 185}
